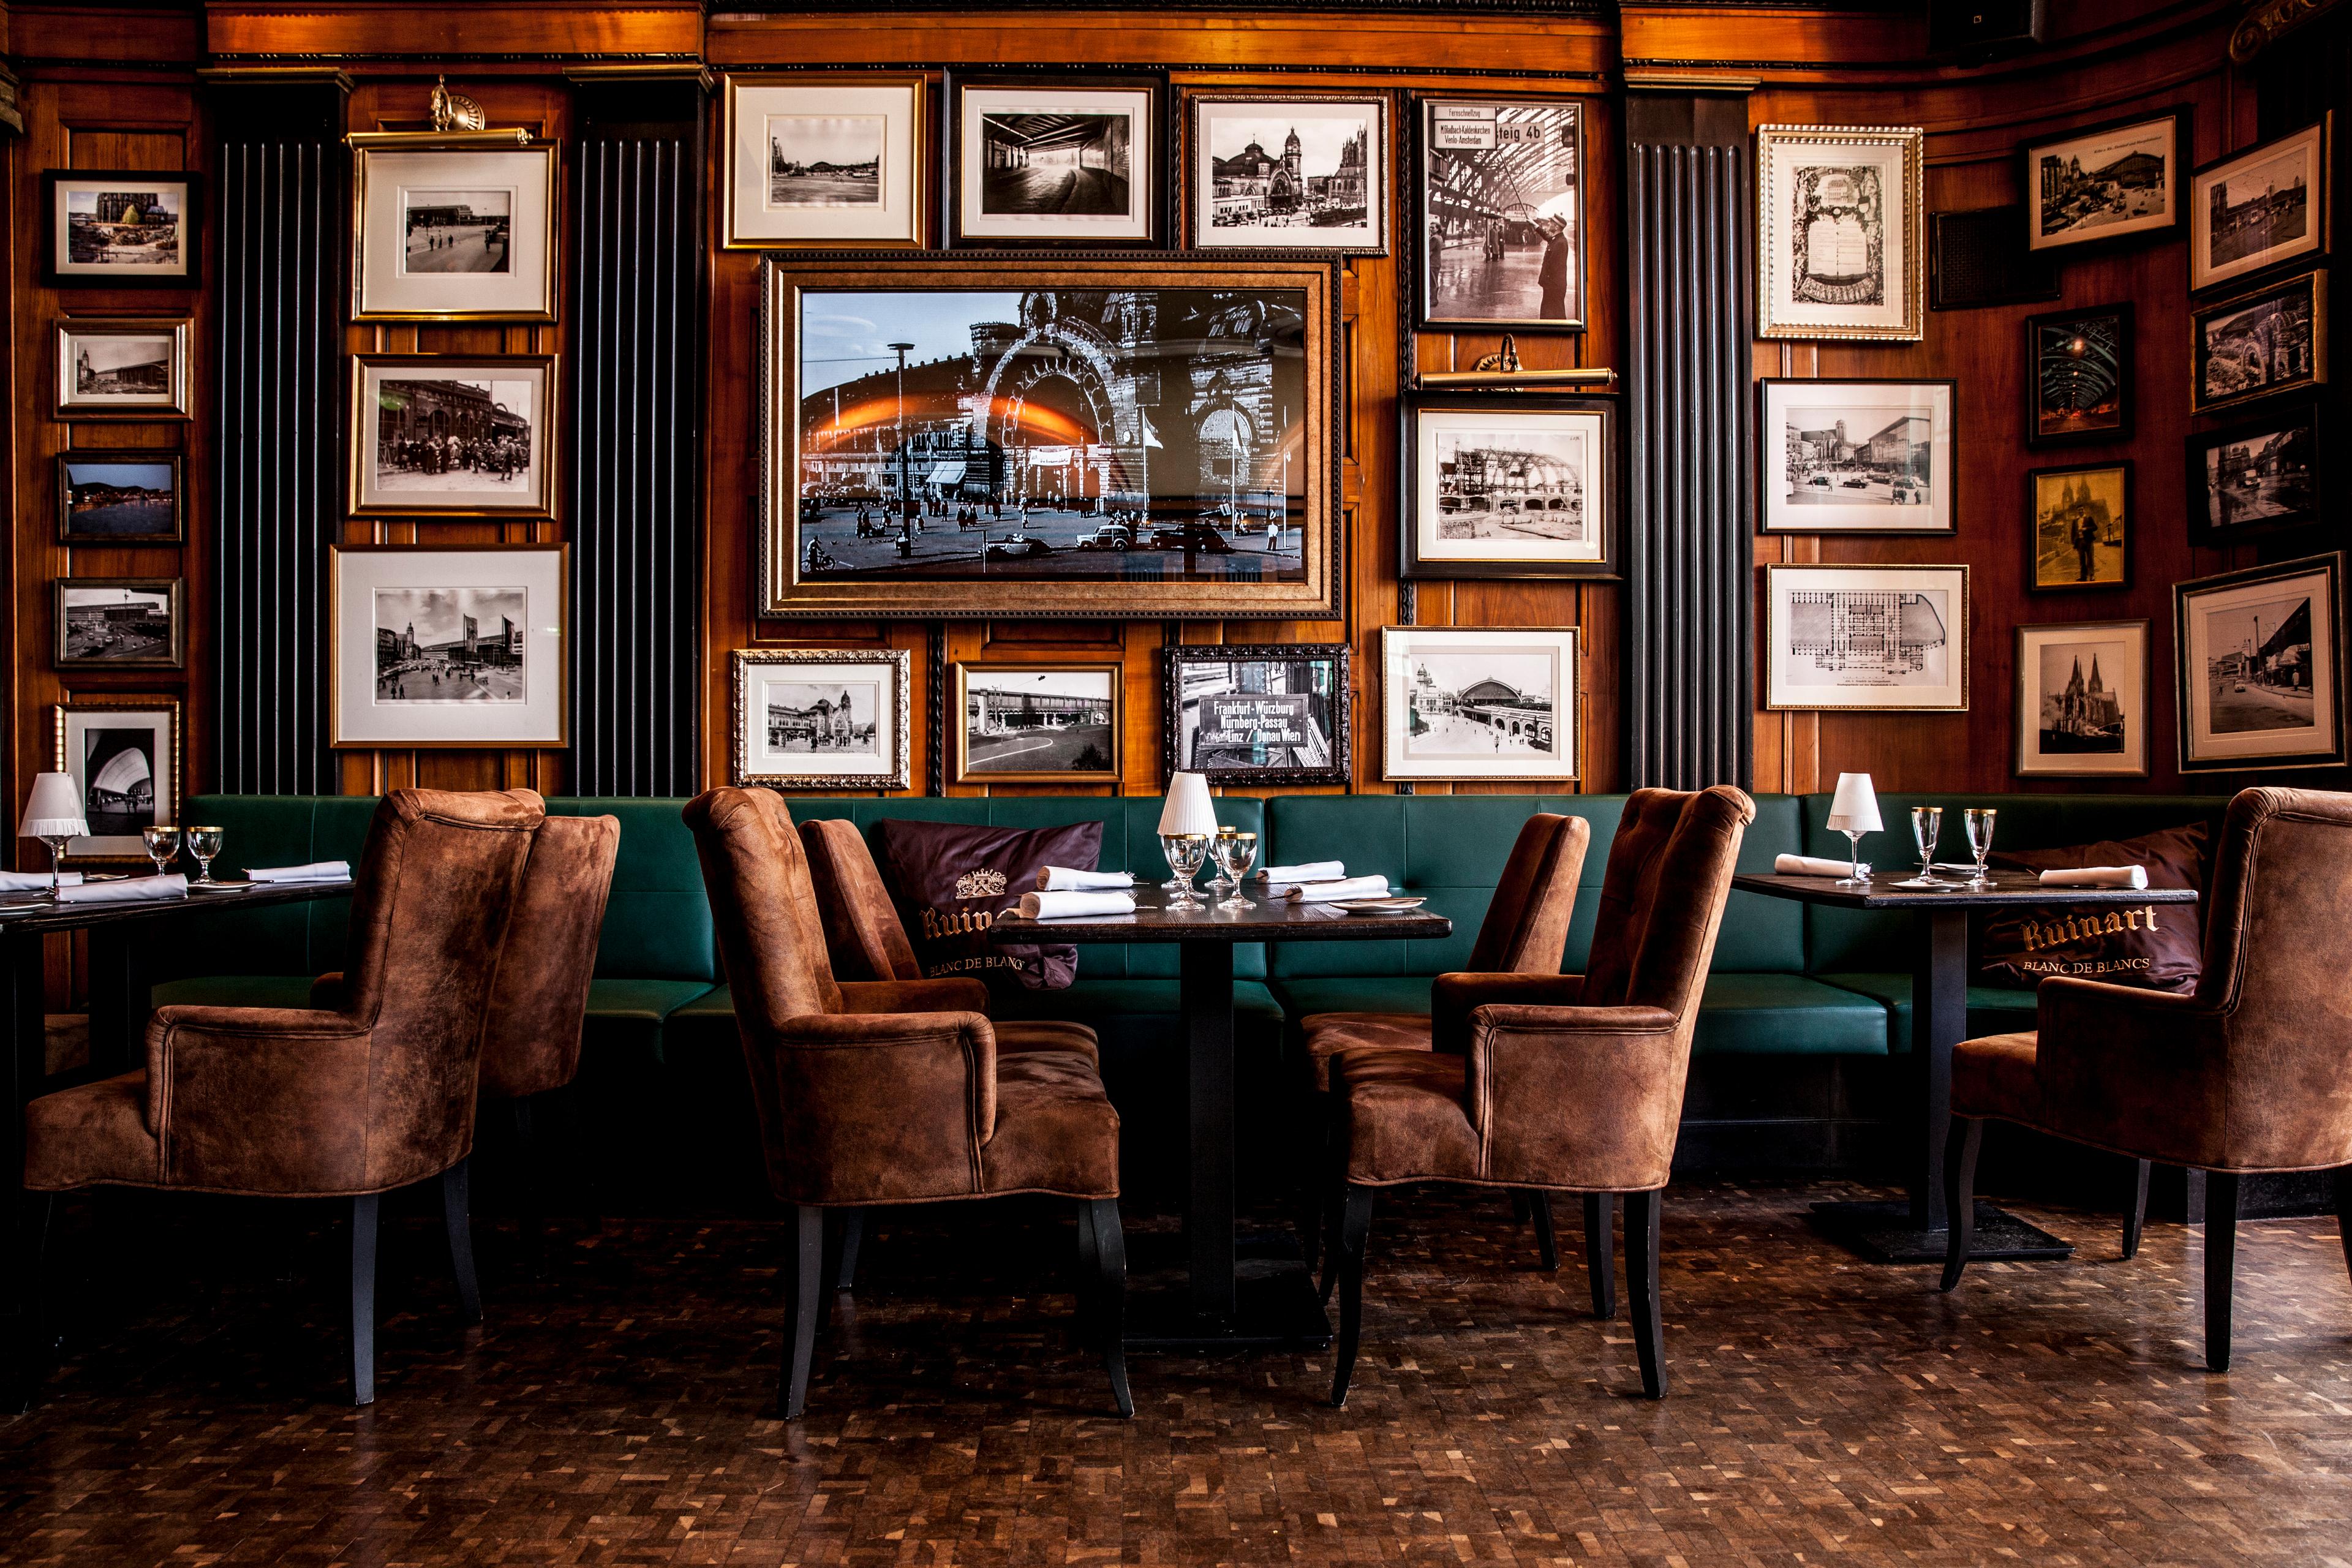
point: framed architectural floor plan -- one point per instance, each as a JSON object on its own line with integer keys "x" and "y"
{"x": 1889, "y": 638}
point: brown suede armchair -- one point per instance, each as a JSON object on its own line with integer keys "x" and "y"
{"x": 2250, "y": 1074}
{"x": 893, "y": 1091}
{"x": 1557, "y": 1083}
{"x": 351, "y": 1101}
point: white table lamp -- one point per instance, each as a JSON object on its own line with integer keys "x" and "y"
{"x": 1853, "y": 811}
{"x": 1189, "y": 811}
{"x": 53, "y": 816}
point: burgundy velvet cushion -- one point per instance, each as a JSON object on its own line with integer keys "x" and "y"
{"x": 950, "y": 881}
{"x": 2155, "y": 945}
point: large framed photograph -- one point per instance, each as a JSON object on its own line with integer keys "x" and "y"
{"x": 1841, "y": 213}
{"x": 121, "y": 623}
{"x": 2078, "y": 376}
{"x": 1482, "y": 704}
{"x": 452, "y": 227}
{"x": 1067, "y": 162}
{"x": 124, "y": 756}
{"x": 1289, "y": 172}
{"x": 1501, "y": 213}
{"x": 2260, "y": 654}
{"x": 2261, "y": 208}
{"x": 119, "y": 228}
{"x": 460, "y": 644}
{"x": 108, "y": 496}
{"x": 2081, "y": 700}
{"x": 1891, "y": 639}
{"x": 2257, "y": 478}
{"x": 452, "y": 436}
{"x": 1856, "y": 456}
{"x": 1036, "y": 724}
{"x": 2081, "y": 533}
{"x": 1508, "y": 485}
{"x": 1089, "y": 436}
{"x": 121, "y": 367}
{"x": 821, "y": 718}
{"x": 824, "y": 160}
{"x": 2272, "y": 339}
{"x": 2121, "y": 180}
{"x": 1273, "y": 714}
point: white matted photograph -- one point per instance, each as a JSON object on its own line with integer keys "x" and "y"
{"x": 821, "y": 718}
{"x": 117, "y": 367}
{"x": 448, "y": 646}
{"x": 2261, "y": 665}
{"x": 1289, "y": 173}
{"x": 1508, "y": 486}
{"x": 1840, "y": 214}
{"x": 1046, "y": 163}
{"x": 2117, "y": 181}
{"x": 452, "y": 436}
{"x": 453, "y": 228}
{"x": 1889, "y": 638}
{"x": 2081, "y": 700}
{"x": 2261, "y": 207}
{"x": 124, "y": 756}
{"x": 1856, "y": 456}
{"x": 1037, "y": 724}
{"x": 1501, "y": 212}
{"x": 1472, "y": 703}
{"x": 118, "y": 228}
{"x": 821, "y": 160}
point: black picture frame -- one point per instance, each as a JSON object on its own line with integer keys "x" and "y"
{"x": 1414, "y": 406}
{"x": 1157, "y": 155}
{"x": 2204, "y": 277}
{"x": 1339, "y": 711}
{"x": 2313, "y": 283}
{"x": 2329, "y": 720}
{"x": 190, "y": 276}
{"x": 2031, "y": 532}
{"x": 2047, "y": 358}
{"x": 1416, "y": 227}
{"x": 2306, "y": 415}
{"x": 173, "y": 532}
{"x": 174, "y": 652}
{"x": 2039, "y": 243}
{"x": 1773, "y": 458}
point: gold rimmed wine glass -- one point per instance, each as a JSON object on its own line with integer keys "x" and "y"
{"x": 1187, "y": 852}
{"x": 1236, "y": 852}
{"x": 204, "y": 843}
{"x": 162, "y": 842}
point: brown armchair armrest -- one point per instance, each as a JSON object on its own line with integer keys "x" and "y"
{"x": 1453, "y": 998}
{"x": 239, "y": 1094}
{"x": 877, "y": 1107}
{"x": 952, "y": 994}
{"x": 2123, "y": 1057}
{"x": 1577, "y": 1096}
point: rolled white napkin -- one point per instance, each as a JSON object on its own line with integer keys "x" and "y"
{"x": 35, "y": 881}
{"x": 1062, "y": 879}
{"x": 1057, "y": 906}
{"x": 1809, "y": 866}
{"x": 1313, "y": 871}
{"x": 2097, "y": 877}
{"x": 316, "y": 871}
{"x": 126, "y": 892}
{"x": 1345, "y": 888}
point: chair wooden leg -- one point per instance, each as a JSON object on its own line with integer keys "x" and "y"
{"x": 2135, "y": 1210}
{"x": 40, "y": 1341}
{"x": 1355, "y": 1228}
{"x": 1547, "y": 1244}
{"x": 1098, "y": 1219}
{"x": 2221, "y": 1264}
{"x": 804, "y": 1279}
{"x": 363, "y": 1239}
{"x": 1600, "y": 1252}
{"x": 853, "y": 1232}
{"x": 456, "y": 1184}
{"x": 2344, "y": 1211}
{"x": 1641, "y": 1212}
{"x": 1960, "y": 1153}
{"x": 1320, "y": 1124}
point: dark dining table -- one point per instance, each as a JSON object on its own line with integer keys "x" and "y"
{"x": 1913, "y": 1230}
{"x": 1270, "y": 1303}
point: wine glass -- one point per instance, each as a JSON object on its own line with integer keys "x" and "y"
{"x": 1220, "y": 883}
{"x": 1236, "y": 852}
{"x": 204, "y": 843}
{"x": 1186, "y": 854}
{"x": 1927, "y": 827}
{"x": 1979, "y": 824}
{"x": 162, "y": 842}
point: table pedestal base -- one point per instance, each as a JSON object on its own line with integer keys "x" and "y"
{"x": 1885, "y": 1233}
{"x": 1275, "y": 1304}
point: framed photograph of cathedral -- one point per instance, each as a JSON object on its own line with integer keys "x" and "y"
{"x": 1288, "y": 172}
{"x": 1841, "y": 216}
{"x": 2081, "y": 700}
{"x": 1501, "y": 214}
{"x": 1121, "y": 437}
{"x": 2080, "y": 536}
{"x": 452, "y": 436}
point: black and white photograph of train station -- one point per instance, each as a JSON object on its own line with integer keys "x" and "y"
{"x": 1511, "y": 484}
{"x": 1143, "y": 434}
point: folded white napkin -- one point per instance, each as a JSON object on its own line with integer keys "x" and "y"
{"x": 1346, "y": 887}
{"x": 131, "y": 891}
{"x": 1062, "y": 879}
{"x": 2097, "y": 877}
{"x": 317, "y": 871}
{"x": 1811, "y": 866}
{"x": 1313, "y": 871}
{"x": 35, "y": 881}
{"x": 1057, "y": 906}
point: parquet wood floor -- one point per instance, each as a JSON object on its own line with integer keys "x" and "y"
{"x": 615, "y": 1407}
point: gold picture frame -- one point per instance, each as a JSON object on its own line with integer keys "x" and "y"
{"x": 165, "y": 736}
{"x": 526, "y": 248}
{"x": 903, "y": 200}
{"x": 459, "y": 420}
{"x": 831, "y": 729}
{"x": 1862, "y": 188}
{"x": 466, "y": 585}
{"x": 87, "y": 389}
{"x": 1050, "y": 718}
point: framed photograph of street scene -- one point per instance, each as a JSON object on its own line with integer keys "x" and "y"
{"x": 124, "y": 756}
{"x": 2261, "y": 658}
{"x": 2261, "y": 208}
{"x": 2081, "y": 533}
{"x": 120, "y": 229}
{"x": 121, "y": 367}
{"x": 2081, "y": 700}
{"x": 120, "y": 497}
{"x": 455, "y": 227}
{"x": 1289, "y": 172}
{"x": 121, "y": 623}
{"x": 826, "y": 160}
{"x": 1479, "y": 704}
{"x": 2258, "y": 478}
{"x": 452, "y": 436}
{"x": 1273, "y": 714}
{"x": 1501, "y": 213}
{"x": 821, "y": 718}
{"x": 1840, "y": 220}
{"x": 2122, "y": 180}
{"x": 458, "y": 644}
{"x": 2274, "y": 339}
{"x": 1888, "y": 639}
{"x": 1856, "y": 456}
{"x": 2078, "y": 376}
{"x": 1072, "y": 161}
{"x": 1508, "y": 485}
{"x": 1118, "y": 436}
{"x": 1035, "y": 723}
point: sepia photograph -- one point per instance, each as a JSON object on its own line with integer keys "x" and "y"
{"x": 1291, "y": 173}
{"x": 2257, "y": 478}
{"x": 1507, "y": 486}
{"x": 1884, "y": 637}
{"x": 2273, "y": 340}
{"x": 120, "y": 229}
{"x": 1479, "y": 704}
{"x": 1047, "y": 163}
{"x": 2079, "y": 376}
{"x": 1856, "y": 456}
{"x": 450, "y": 434}
{"x": 2261, "y": 207}
{"x": 2109, "y": 181}
{"x": 457, "y": 231}
{"x": 1260, "y": 715}
{"x": 2081, "y": 703}
{"x": 2080, "y": 527}
{"x": 124, "y": 756}
{"x": 2260, "y": 667}
{"x": 1840, "y": 211}
{"x": 119, "y": 623}
{"x": 453, "y": 230}
{"x": 1501, "y": 212}
{"x": 120, "y": 368}
{"x": 1038, "y": 724}
{"x": 449, "y": 645}
{"x": 821, "y": 718}
{"x": 118, "y": 497}
{"x": 826, "y": 160}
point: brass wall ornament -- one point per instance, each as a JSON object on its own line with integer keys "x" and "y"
{"x": 454, "y": 110}
{"x": 2267, "y": 23}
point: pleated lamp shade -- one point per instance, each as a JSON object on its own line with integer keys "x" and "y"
{"x": 54, "y": 809}
{"x": 1189, "y": 807}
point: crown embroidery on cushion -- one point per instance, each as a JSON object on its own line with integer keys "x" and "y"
{"x": 980, "y": 885}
